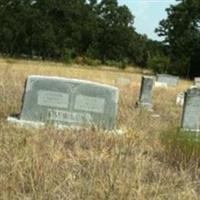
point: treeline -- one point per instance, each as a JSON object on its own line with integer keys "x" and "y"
{"x": 67, "y": 29}
{"x": 100, "y": 31}
{"x": 181, "y": 31}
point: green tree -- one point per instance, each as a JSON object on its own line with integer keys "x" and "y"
{"x": 181, "y": 30}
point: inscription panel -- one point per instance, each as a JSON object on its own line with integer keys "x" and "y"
{"x": 91, "y": 104}
{"x": 53, "y": 99}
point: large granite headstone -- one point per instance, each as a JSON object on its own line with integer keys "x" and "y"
{"x": 191, "y": 110}
{"x": 69, "y": 102}
{"x": 170, "y": 80}
{"x": 145, "y": 98}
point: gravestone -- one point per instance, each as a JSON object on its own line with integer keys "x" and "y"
{"x": 197, "y": 81}
{"x": 69, "y": 102}
{"x": 191, "y": 110}
{"x": 145, "y": 97}
{"x": 168, "y": 79}
{"x": 180, "y": 98}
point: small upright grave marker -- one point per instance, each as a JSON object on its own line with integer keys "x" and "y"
{"x": 68, "y": 102}
{"x": 180, "y": 98}
{"x": 191, "y": 110}
{"x": 145, "y": 97}
{"x": 168, "y": 79}
{"x": 197, "y": 81}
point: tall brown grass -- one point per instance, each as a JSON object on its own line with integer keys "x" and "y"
{"x": 87, "y": 164}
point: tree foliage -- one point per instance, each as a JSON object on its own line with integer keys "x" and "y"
{"x": 65, "y": 29}
{"x": 181, "y": 30}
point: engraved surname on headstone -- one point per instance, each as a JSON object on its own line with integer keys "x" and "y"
{"x": 69, "y": 102}
{"x": 145, "y": 98}
{"x": 71, "y": 117}
{"x": 191, "y": 110}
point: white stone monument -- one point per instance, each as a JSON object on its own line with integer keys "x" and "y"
{"x": 197, "y": 81}
{"x": 180, "y": 98}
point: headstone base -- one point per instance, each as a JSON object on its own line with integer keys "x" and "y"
{"x": 39, "y": 125}
{"x": 24, "y": 123}
{"x": 147, "y": 106}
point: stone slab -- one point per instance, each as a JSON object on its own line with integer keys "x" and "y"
{"x": 69, "y": 102}
{"x": 197, "y": 81}
{"x": 180, "y": 98}
{"x": 145, "y": 97}
{"x": 170, "y": 80}
{"x": 191, "y": 110}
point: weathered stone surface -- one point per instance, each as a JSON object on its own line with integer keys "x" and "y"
{"x": 180, "y": 98}
{"x": 197, "y": 81}
{"x": 168, "y": 79}
{"x": 69, "y": 102}
{"x": 145, "y": 98}
{"x": 160, "y": 85}
{"x": 191, "y": 110}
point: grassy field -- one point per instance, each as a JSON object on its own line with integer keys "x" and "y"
{"x": 50, "y": 164}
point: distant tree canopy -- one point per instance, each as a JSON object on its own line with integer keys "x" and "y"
{"x": 181, "y": 30}
{"x": 64, "y": 29}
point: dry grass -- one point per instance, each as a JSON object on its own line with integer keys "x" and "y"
{"x": 56, "y": 164}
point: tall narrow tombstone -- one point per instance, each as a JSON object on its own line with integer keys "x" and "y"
{"x": 170, "y": 80}
{"x": 191, "y": 110}
{"x": 145, "y": 97}
{"x": 69, "y": 102}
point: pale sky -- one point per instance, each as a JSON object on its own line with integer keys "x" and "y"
{"x": 147, "y": 14}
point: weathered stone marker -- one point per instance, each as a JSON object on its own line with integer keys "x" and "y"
{"x": 180, "y": 98}
{"x": 191, "y": 110}
{"x": 69, "y": 102}
{"x": 170, "y": 80}
{"x": 145, "y": 97}
{"x": 197, "y": 81}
